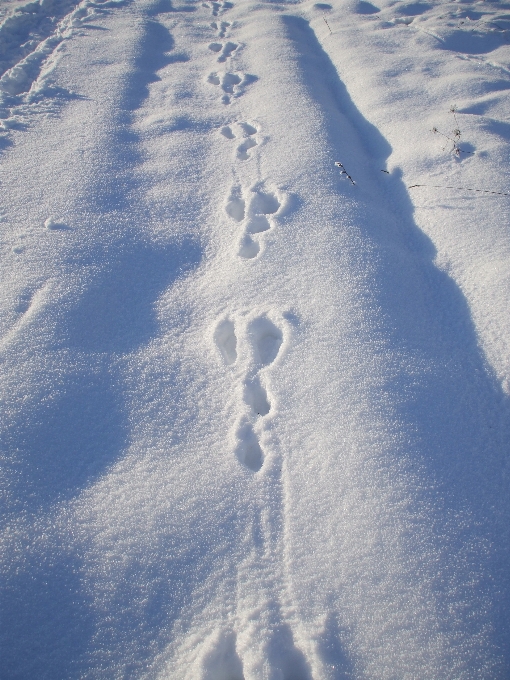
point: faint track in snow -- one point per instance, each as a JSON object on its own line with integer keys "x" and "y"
{"x": 30, "y": 42}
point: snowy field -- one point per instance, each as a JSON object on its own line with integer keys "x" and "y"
{"x": 255, "y": 419}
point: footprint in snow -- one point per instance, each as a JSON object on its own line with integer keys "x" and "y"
{"x": 221, "y": 27}
{"x": 264, "y": 338}
{"x": 255, "y": 396}
{"x": 218, "y": 7}
{"x": 226, "y": 340}
{"x": 256, "y": 218}
{"x": 248, "y": 450}
{"x": 262, "y": 205}
{"x": 245, "y": 131}
{"x": 235, "y": 207}
{"x": 226, "y": 50}
{"x": 232, "y": 84}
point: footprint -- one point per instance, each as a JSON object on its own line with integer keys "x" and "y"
{"x": 258, "y": 224}
{"x": 226, "y": 131}
{"x": 235, "y": 207}
{"x": 54, "y": 225}
{"x": 222, "y": 28}
{"x": 256, "y": 397}
{"x": 249, "y": 451}
{"x": 226, "y": 340}
{"x": 218, "y": 7}
{"x": 248, "y": 129}
{"x": 228, "y": 49}
{"x": 248, "y": 248}
{"x": 245, "y": 130}
{"x": 231, "y": 83}
{"x": 262, "y": 203}
{"x": 267, "y": 339}
{"x": 242, "y": 149}
{"x": 214, "y": 79}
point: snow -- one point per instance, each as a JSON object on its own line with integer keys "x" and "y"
{"x": 255, "y": 413}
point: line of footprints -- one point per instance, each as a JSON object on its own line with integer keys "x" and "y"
{"x": 255, "y": 210}
{"x": 264, "y": 338}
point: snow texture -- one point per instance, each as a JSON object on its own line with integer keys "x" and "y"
{"x": 255, "y": 419}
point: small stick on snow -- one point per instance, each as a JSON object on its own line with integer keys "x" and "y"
{"x": 343, "y": 171}
{"x": 328, "y": 25}
{"x": 440, "y": 186}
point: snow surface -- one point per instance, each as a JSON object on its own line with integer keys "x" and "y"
{"x": 255, "y": 413}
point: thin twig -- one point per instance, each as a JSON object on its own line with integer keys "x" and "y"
{"x": 456, "y": 148}
{"x": 343, "y": 171}
{"x": 453, "y": 109}
{"x": 439, "y": 186}
{"x": 328, "y": 25}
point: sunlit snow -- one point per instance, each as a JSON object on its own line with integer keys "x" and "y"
{"x": 255, "y": 340}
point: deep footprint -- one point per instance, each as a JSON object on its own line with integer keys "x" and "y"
{"x": 267, "y": 339}
{"x": 248, "y": 129}
{"x": 235, "y": 207}
{"x": 226, "y": 341}
{"x": 248, "y": 450}
{"x": 221, "y": 28}
{"x": 256, "y": 397}
{"x": 264, "y": 203}
{"x": 242, "y": 149}
{"x": 248, "y": 248}
{"x": 227, "y": 52}
{"x": 233, "y": 84}
{"x": 226, "y": 131}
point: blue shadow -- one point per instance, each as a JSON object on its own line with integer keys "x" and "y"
{"x": 45, "y": 624}
{"x": 116, "y": 312}
{"x": 68, "y": 441}
{"x": 452, "y": 413}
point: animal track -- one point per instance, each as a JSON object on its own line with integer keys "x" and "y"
{"x": 248, "y": 248}
{"x": 235, "y": 206}
{"x": 233, "y": 84}
{"x": 242, "y": 149}
{"x": 218, "y": 7}
{"x": 222, "y": 28}
{"x": 226, "y": 50}
{"x": 264, "y": 339}
{"x": 262, "y": 204}
{"x": 226, "y": 131}
{"x": 258, "y": 224}
{"x": 256, "y": 397}
{"x": 267, "y": 339}
{"x": 246, "y": 131}
{"x": 226, "y": 340}
{"x": 248, "y": 449}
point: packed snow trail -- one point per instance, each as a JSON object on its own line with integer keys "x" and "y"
{"x": 252, "y": 428}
